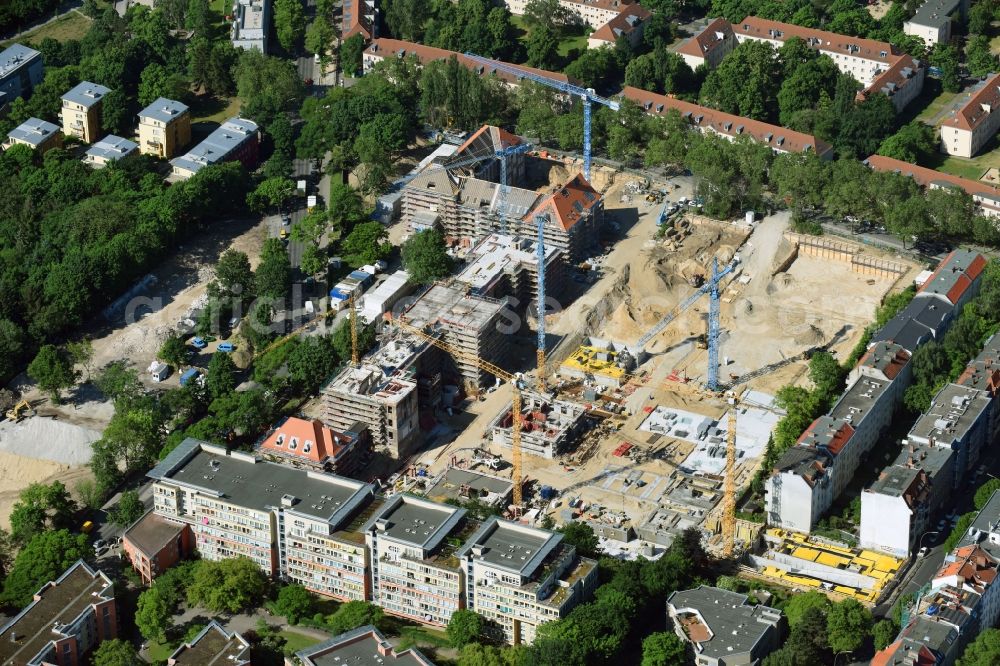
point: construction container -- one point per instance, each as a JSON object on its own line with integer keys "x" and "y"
{"x": 381, "y": 299}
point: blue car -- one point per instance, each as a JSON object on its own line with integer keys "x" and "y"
{"x": 198, "y": 343}
{"x": 226, "y": 347}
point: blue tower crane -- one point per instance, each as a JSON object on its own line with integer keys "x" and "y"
{"x": 586, "y": 95}
{"x": 540, "y": 299}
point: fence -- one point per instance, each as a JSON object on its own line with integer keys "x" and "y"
{"x": 838, "y": 250}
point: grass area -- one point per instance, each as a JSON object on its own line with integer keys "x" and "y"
{"x": 212, "y": 109}
{"x": 973, "y": 168}
{"x": 159, "y": 652}
{"x": 415, "y": 636}
{"x": 72, "y": 25}
{"x": 295, "y": 641}
{"x": 935, "y": 106}
{"x": 995, "y": 44}
{"x": 570, "y": 37}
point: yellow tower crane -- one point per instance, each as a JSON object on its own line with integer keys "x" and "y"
{"x": 728, "y": 522}
{"x": 515, "y": 381}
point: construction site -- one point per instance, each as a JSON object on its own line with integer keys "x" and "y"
{"x": 644, "y": 401}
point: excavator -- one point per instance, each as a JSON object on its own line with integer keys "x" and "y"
{"x": 19, "y": 411}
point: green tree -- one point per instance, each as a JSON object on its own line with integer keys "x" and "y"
{"x": 274, "y": 273}
{"x": 52, "y": 370}
{"x": 582, "y": 536}
{"x": 464, "y": 627}
{"x": 229, "y": 586}
{"x": 174, "y": 352}
{"x": 312, "y": 362}
{"x": 959, "y": 531}
{"x": 289, "y": 23}
{"x": 663, "y": 649}
{"x": 12, "y": 347}
{"x": 984, "y": 651}
{"x": 81, "y": 352}
{"x": 44, "y": 558}
{"x": 985, "y": 492}
{"x": 220, "y": 377}
{"x": 913, "y": 142}
{"x": 799, "y": 604}
{"x": 351, "y": 50}
{"x": 116, "y": 652}
{"x": 827, "y": 376}
{"x": 234, "y": 274}
{"x": 270, "y": 193}
{"x": 946, "y": 58}
{"x": 746, "y": 82}
{"x": 40, "y": 507}
{"x": 981, "y": 15}
{"x": 294, "y": 602}
{"x": 425, "y": 257}
{"x": 477, "y": 654}
{"x": 884, "y": 632}
{"x": 345, "y": 208}
{"x": 848, "y": 624}
{"x": 267, "y": 85}
{"x": 979, "y": 56}
{"x": 367, "y": 243}
{"x": 545, "y": 13}
{"x": 157, "y": 81}
{"x": 319, "y": 36}
{"x": 543, "y": 47}
{"x": 352, "y": 615}
{"x": 153, "y": 612}
{"x": 128, "y": 510}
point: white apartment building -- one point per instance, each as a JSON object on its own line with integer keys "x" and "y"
{"x": 251, "y": 24}
{"x": 932, "y": 21}
{"x": 594, "y": 13}
{"x": 414, "y": 568}
{"x": 985, "y": 196}
{"x": 894, "y": 510}
{"x": 972, "y": 125}
{"x": 520, "y": 577}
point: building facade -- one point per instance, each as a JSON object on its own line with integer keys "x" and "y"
{"x": 251, "y": 24}
{"x": 39, "y": 135}
{"x": 67, "y": 619}
{"x": 985, "y": 196}
{"x": 21, "y": 69}
{"x": 932, "y": 21}
{"x": 164, "y": 128}
{"x": 236, "y": 140}
{"x": 109, "y": 149}
{"x": 972, "y": 125}
{"x": 81, "y": 111}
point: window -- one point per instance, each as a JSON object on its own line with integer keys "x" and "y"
{"x": 293, "y": 444}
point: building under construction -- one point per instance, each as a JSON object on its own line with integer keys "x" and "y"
{"x": 476, "y": 326}
{"x": 504, "y": 266}
{"x": 385, "y": 392}
{"x": 548, "y": 427}
{"x": 603, "y": 362}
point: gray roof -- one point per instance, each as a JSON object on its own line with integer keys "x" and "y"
{"x": 509, "y": 546}
{"x": 736, "y": 626}
{"x": 415, "y": 521}
{"x": 86, "y": 94}
{"x": 894, "y": 481}
{"x": 477, "y": 193}
{"x": 252, "y": 483}
{"x": 935, "y": 13}
{"x": 218, "y": 145}
{"x": 802, "y": 460}
{"x": 163, "y": 109}
{"x": 987, "y": 521}
{"x": 938, "y": 637}
{"x": 112, "y": 147}
{"x": 448, "y": 486}
{"x": 959, "y": 272}
{"x": 360, "y": 647}
{"x": 213, "y": 645}
{"x": 14, "y": 57}
{"x": 953, "y": 412}
{"x": 922, "y": 319}
{"x": 34, "y": 131}
{"x": 855, "y": 405}
{"x": 931, "y": 459}
{"x": 979, "y": 373}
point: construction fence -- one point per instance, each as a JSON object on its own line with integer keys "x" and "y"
{"x": 846, "y": 251}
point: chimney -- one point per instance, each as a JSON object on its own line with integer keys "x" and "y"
{"x": 384, "y": 649}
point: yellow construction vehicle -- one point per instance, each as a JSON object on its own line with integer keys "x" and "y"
{"x": 20, "y": 410}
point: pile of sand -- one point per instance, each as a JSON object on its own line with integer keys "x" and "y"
{"x": 43, "y": 438}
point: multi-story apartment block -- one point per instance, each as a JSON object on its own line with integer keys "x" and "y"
{"x": 251, "y": 24}
{"x": 37, "y": 134}
{"x": 958, "y": 419}
{"x": 963, "y": 597}
{"x": 722, "y": 628}
{"x": 109, "y": 149}
{"x": 594, "y": 13}
{"x": 628, "y": 25}
{"x": 507, "y": 267}
{"x": 311, "y": 445}
{"x": 573, "y": 216}
{"x": 164, "y": 128}
{"x": 520, "y": 577}
{"x": 895, "y": 509}
{"x": 972, "y": 125}
{"x": 213, "y": 645}
{"x": 154, "y": 543}
{"x": 21, "y": 69}
{"x": 81, "y": 111}
{"x": 238, "y": 505}
{"x": 67, "y": 618}
{"x": 235, "y": 140}
{"x": 364, "y": 645}
{"x": 932, "y": 21}
{"x": 416, "y": 573}
{"x": 878, "y": 66}
{"x": 383, "y": 48}
{"x": 985, "y": 196}
{"x": 548, "y": 427}
{"x": 705, "y": 119}
{"x": 811, "y": 475}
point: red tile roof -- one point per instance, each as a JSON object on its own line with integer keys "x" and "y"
{"x": 499, "y": 139}
{"x": 973, "y": 565}
{"x": 727, "y": 124}
{"x": 898, "y": 75}
{"x": 628, "y": 20}
{"x": 383, "y": 47}
{"x": 887, "y": 657}
{"x": 708, "y": 39}
{"x": 979, "y": 107}
{"x": 895, "y": 364}
{"x": 567, "y": 205}
{"x": 312, "y": 440}
{"x": 926, "y": 177}
{"x": 870, "y": 49}
{"x": 355, "y": 21}
{"x": 961, "y": 282}
{"x": 833, "y": 440}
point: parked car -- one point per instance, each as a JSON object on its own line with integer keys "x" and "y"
{"x": 226, "y": 347}
{"x": 100, "y": 545}
{"x": 198, "y": 343}
{"x": 924, "y": 552}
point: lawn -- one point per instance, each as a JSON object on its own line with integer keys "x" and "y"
{"x": 935, "y": 106}
{"x": 411, "y": 636}
{"x": 995, "y": 44}
{"x": 571, "y": 37}
{"x": 972, "y": 169}
{"x": 158, "y": 652}
{"x": 72, "y": 25}
{"x": 295, "y": 641}
{"x": 208, "y": 109}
